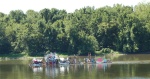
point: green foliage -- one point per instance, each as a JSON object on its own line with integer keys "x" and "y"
{"x": 119, "y": 28}
{"x": 5, "y": 47}
{"x": 106, "y": 50}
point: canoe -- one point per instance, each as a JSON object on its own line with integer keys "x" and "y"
{"x": 64, "y": 63}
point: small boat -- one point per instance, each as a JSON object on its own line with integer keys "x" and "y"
{"x": 36, "y": 62}
{"x": 51, "y": 58}
{"x": 64, "y": 63}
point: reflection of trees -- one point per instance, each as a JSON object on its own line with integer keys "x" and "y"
{"x": 14, "y": 71}
{"x": 5, "y": 68}
{"x": 85, "y": 71}
{"x": 129, "y": 70}
{"x": 19, "y": 71}
{"x": 142, "y": 69}
{"x": 52, "y": 71}
{"x": 95, "y": 71}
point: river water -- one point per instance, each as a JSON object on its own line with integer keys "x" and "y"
{"x": 19, "y": 69}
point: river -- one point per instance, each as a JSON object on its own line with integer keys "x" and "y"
{"x": 19, "y": 69}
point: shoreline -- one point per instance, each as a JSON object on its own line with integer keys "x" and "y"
{"x": 25, "y": 57}
{"x": 113, "y": 62}
{"x": 132, "y": 62}
{"x": 18, "y": 58}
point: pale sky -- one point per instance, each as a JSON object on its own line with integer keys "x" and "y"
{"x": 69, "y": 5}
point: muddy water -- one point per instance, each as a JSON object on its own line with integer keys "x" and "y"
{"x": 19, "y": 69}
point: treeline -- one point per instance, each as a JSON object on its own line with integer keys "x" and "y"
{"x": 119, "y": 28}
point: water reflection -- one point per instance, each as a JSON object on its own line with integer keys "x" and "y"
{"x": 103, "y": 66}
{"x": 19, "y": 69}
{"x": 52, "y": 71}
{"x": 61, "y": 70}
{"x": 37, "y": 69}
{"x": 64, "y": 68}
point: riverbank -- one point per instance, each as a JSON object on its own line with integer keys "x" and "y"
{"x": 22, "y": 57}
{"x": 27, "y": 57}
{"x": 18, "y": 58}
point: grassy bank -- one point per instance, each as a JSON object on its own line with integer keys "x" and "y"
{"x": 23, "y": 56}
{"x": 16, "y": 56}
{"x": 101, "y": 53}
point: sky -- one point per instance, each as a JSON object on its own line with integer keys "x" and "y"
{"x": 69, "y": 5}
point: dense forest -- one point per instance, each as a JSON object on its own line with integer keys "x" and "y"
{"x": 119, "y": 28}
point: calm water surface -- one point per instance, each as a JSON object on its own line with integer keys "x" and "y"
{"x": 18, "y": 69}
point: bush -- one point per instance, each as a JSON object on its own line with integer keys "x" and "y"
{"x": 104, "y": 51}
